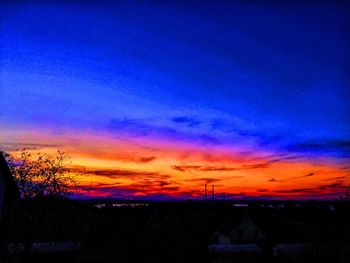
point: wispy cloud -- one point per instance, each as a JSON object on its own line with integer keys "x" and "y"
{"x": 119, "y": 173}
{"x": 152, "y": 129}
{"x": 218, "y": 168}
{"x": 303, "y": 176}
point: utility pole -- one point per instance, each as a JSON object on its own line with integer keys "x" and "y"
{"x": 90, "y": 188}
{"x": 212, "y": 192}
{"x": 206, "y": 193}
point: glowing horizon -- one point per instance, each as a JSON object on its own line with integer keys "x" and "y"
{"x": 155, "y": 100}
{"x": 115, "y": 168}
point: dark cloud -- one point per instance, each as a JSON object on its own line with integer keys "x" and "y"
{"x": 119, "y": 173}
{"x": 318, "y": 195}
{"x": 205, "y": 180}
{"x": 188, "y": 121}
{"x": 153, "y": 184}
{"x": 340, "y": 143}
{"x": 162, "y": 183}
{"x": 147, "y": 159}
{"x": 146, "y": 187}
{"x": 339, "y": 148}
{"x": 267, "y": 197}
{"x": 99, "y": 184}
{"x": 303, "y": 176}
{"x": 114, "y": 191}
{"x": 139, "y": 127}
{"x": 335, "y": 185}
{"x": 261, "y": 137}
{"x": 208, "y": 139}
{"x": 220, "y": 124}
{"x": 308, "y": 175}
{"x": 214, "y": 168}
{"x": 255, "y": 166}
{"x": 272, "y": 180}
{"x": 191, "y": 193}
{"x": 335, "y": 178}
{"x": 269, "y": 160}
{"x": 282, "y": 157}
{"x": 297, "y": 190}
{"x": 184, "y": 168}
{"x": 171, "y": 188}
{"x": 142, "y": 128}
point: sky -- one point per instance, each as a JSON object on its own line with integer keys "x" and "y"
{"x": 155, "y": 99}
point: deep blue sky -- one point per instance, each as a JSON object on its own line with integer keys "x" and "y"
{"x": 277, "y": 73}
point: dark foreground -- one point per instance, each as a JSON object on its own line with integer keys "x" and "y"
{"x": 72, "y": 231}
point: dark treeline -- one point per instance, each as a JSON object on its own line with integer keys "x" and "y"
{"x": 165, "y": 231}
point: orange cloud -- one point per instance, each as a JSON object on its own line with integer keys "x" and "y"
{"x": 130, "y": 169}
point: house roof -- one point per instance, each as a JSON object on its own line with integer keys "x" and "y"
{"x": 44, "y": 247}
{"x": 5, "y": 172}
{"x": 233, "y": 248}
{"x": 55, "y": 246}
{"x": 291, "y": 247}
{"x": 231, "y": 222}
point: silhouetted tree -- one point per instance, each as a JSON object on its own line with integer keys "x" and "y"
{"x": 41, "y": 174}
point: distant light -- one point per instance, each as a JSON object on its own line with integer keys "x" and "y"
{"x": 121, "y": 205}
{"x": 240, "y": 205}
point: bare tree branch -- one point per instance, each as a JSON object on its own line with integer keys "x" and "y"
{"x": 42, "y": 175}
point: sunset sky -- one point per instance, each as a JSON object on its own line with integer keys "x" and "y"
{"x": 155, "y": 99}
